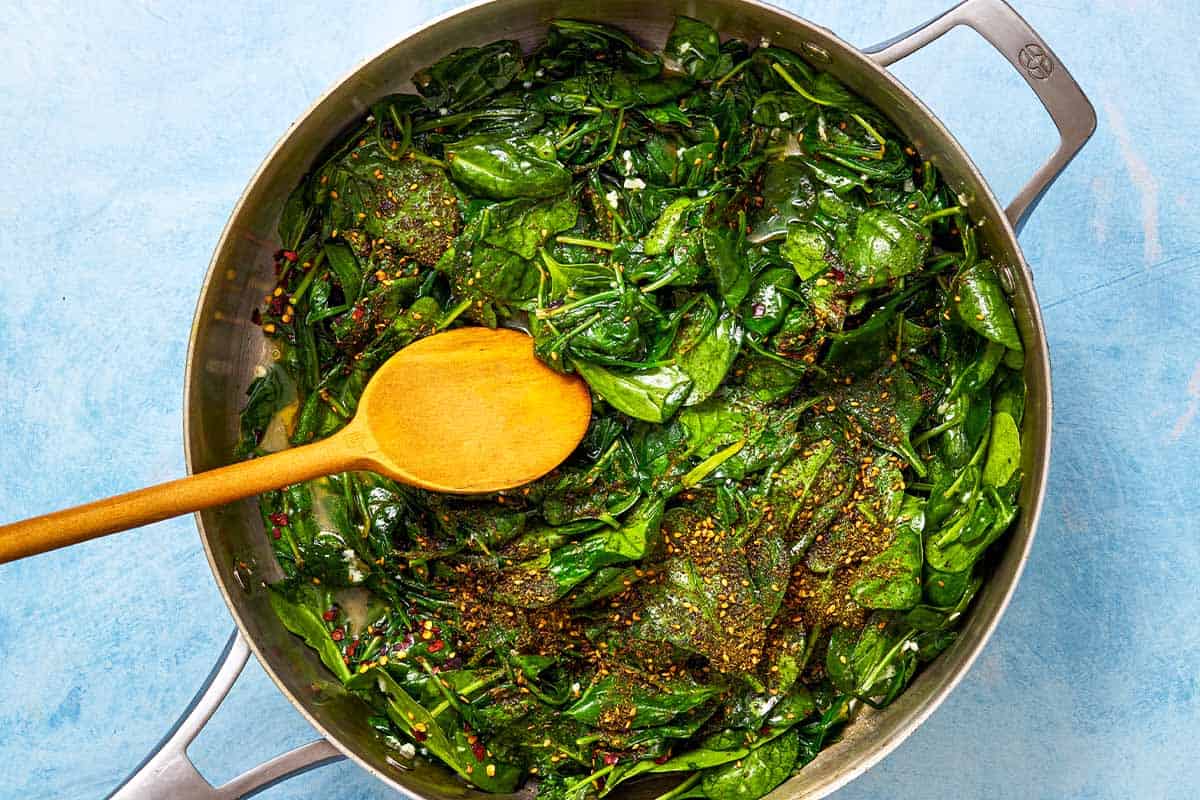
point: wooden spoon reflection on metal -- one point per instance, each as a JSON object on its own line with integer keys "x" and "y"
{"x": 466, "y": 411}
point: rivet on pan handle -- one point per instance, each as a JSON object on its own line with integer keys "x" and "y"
{"x": 168, "y": 772}
{"x": 998, "y": 23}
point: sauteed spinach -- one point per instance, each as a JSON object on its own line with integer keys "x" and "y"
{"x": 806, "y": 430}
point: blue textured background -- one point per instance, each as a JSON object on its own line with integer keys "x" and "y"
{"x": 128, "y": 131}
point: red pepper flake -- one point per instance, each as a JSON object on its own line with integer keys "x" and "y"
{"x": 838, "y": 275}
{"x": 279, "y": 518}
{"x": 420, "y": 736}
{"x": 275, "y": 532}
{"x": 353, "y": 646}
{"x": 337, "y": 635}
{"x": 610, "y": 759}
{"x": 436, "y": 646}
{"x": 479, "y": 751}
{"x": 329, "y": 615}
{"x": 290, "y": 255}
{"x": 357, "y": 313}
{"x": 664, "y": 758}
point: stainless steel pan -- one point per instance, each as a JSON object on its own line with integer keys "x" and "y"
{"x": 226, "y": 349}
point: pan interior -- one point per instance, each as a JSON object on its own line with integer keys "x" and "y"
{"x": 226, "y": 349}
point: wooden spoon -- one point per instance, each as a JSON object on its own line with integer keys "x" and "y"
{"x": 466, "y": 411}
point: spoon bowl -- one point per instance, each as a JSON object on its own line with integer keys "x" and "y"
{"x": 500, "y": 418}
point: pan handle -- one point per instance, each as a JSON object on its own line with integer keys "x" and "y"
{"x": 998, "y": 23}
{"x": 168, "y": 772}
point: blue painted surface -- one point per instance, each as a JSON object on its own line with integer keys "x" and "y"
{"x": 130, "y": 128}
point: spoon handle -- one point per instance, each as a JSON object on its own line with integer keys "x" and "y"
{"x": 215, "y": 487}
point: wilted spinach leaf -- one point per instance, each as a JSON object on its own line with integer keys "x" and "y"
{"x": 499, "y": 167}
{"x": 467, "y": 76}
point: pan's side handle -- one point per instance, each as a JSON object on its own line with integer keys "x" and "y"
{"x": 168, "y": 772}
{"x": 998, "y": 23}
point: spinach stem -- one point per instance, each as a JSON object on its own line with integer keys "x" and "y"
{"x": 566, "y": 135}
{"x": 810, "y": 644}
{"x": 800, "y": 90}
{"x": 945, "y": 212}
{"x": 708, "y": 465}
{"x": 595, "y": 776}
{"x": 442, "y": 688}
{"x": 599, "y": 297}
{"x": 333, "y": 403}
{"x": 886, "y": 661}
{"x": 762, "y": 351}
{"x": 416, "y": 155}
{"x": 874, "y": 134}
{"x": 682, "y": 788}
{"x": 733, "y": 72}
{"x": 464, "y": 117}
{"x": 307, "y": 280}
{"x": 372, "y": 649}
{"x": 936, "y": 430}
{"x": 662, "y": 281}
{"x": 453, "y": 313}
{"x": 578, "y": 329}
{"x": 468, "y": 689}
{"x": 594, "y": 243}
{"x": 612, "y": 145}
{"x": 405, "y": 126}
{"x": 571, "y": 135}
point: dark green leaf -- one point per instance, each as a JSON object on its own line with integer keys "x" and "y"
{"x": 502, "y": 168}
{"x": 646, "y": 705}
{"x": 343, "y": 263}
{"x": 305, "y": 621}
{"x": 885, "y": 245}
{"x": 758, "y": 773}
{"x": 807, "y": 249}
{"x": 705, "y": 348}
{"x": 1004, "y": 451}
{"x": 697, "y": 48}
{"x": 727, "y": 264}
{"x": 982, "y": 306}
{"x": 653, "y": 396}
{"x": 769, "y": 300}
{"x": 523, "y": 225}
{"x": 667, "y": 227}
{"x": 892, "y": 578}
{"x": 468, "y": 76}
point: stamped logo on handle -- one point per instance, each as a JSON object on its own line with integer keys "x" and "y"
{"x": 1036, "y": 61}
